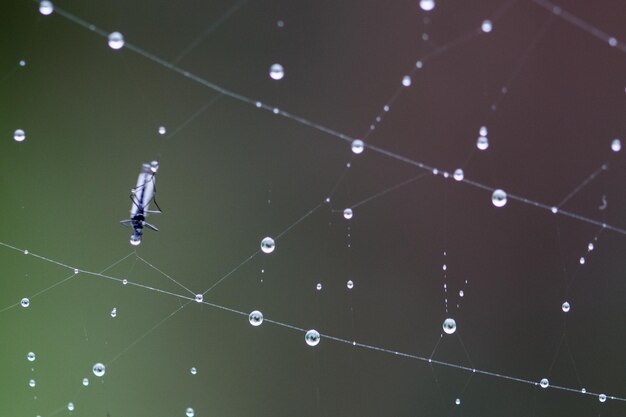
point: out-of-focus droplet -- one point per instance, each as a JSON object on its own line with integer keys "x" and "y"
{"x": 46, "y": 7}
{"x": 347, "y": 213}
{"x": 449, "y": 326}
{"x": 483, "y": 131}
{"x": 99, "y": 369}
{"x": 554, "y": 210}
{"x": 357, "y": 146}
{"x": 482, "y": 143}
{"x": 427, "y": 5}
{"x": 459, "y": 174}
{"x": 582, "y": 260}
{"x": 19, "y": 135}
{"x": 486, "y": 26}
{"x": 22, "y": 63}
{"x": 256, "y": 318}
{"x": 590, "y": 247}
{"x": 406, "y": 81}
{"x": 498, "y": 198}
{"x": 312, "y": 337}
{"x": 277, "y": 72}
{"x": 268, "y": 245}
{"x": 162, "y": 130}
{"x": 116, "y": 40}
{"x": 616, "y": 145}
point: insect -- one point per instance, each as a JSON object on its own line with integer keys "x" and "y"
{"x": 141, "y": 196}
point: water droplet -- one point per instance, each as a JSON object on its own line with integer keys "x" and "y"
{"x": 357, "y": 146}
{"x": 554, "y": 210}
{"x": 124, "y": 282}
{"x": 277, "y": 72}
{"x": 189, "y": 412}
{"x": 347, "y": 213}
{"x": 483, "y": 131}
{"x": 427, "y": 5}
{"x": 25, "y": 302}
{"x": 318, "y": 286}
{"x": 70, "y": 406}
{"x": 268, "y": 245}
{"x": 406, "y": 81}
{"x": 459, "y": 174}
{"x": 444, "y": 267}
{"x": 32, "y": 383}
{"x": 114, "y": 312}
{"x": 22, "y": 63}
{"x": 616, "y": 145}
{"x": 99, "y": 369}
{"x": 457, "y": 401}
{"x": 544, "y": 383}
{"x": 31, "y": 356}
{"x": 46, "y": 7}
{"x": 419, "y": 64}
{"x": 590, "y": 247}
{"x": 486, "y": 26}
{"x": 612, "y": 41}
{"x": 255, "y": 318}
{"x": 461, "y": 293}
{"x": 85, "y": 382}
{"x": 116, "y": 40}
{"x": 582, "y": 260}
{"x": 565, "y": 307}
{"x": 25, "y": 251}
{"x": 19, "y": 135}
{"x": 193, "y": 370}
{"x": 162, "y": 130}
{"x": 584, "y": 390}
{"x": 312, "y": 337}
{"x": 602, "y": 398}
{"x": 350, "y": 284}
{"x": 280, "y": 24}
{"x": 199, "y": 298}
{"x": 498, "y": 198}
{"x": 449, "y": 326}
{"x": 482, "y": 143}
{"x": 76, "y": 271}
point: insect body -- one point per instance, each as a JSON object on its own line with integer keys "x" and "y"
{"x": 141, "y": 196}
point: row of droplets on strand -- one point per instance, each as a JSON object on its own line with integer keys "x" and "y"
{"x": 116, "y": 41}
{"x": 312, "y": 337}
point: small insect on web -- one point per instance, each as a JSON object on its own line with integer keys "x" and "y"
{"x": 141, "y": 196}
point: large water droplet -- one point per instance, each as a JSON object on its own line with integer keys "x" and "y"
{"x": 427, "y": 5}
{"x": 498, "y": 198}
{"x": 25, "y": 302}
{"x": 199, "y": 298}
{"x": 277, "y": 72}
{"x": 31, "y": 356}
{"x": 616, "y": 145}
{"x": 116, "y": 40}
{"x": 19, "y": 135}
{"x": 312, "y": 337}
{"x": 357, "y": 146}
{"x": 347, "y": 213}
{"x": 449, "y": 326}
{"x": 602, "y": 398}
{"x": 99, "y": 369}
{"x": 544, "y": 383}
{"x": 46, "y": 7}
{"x": 268, "y": 245}
{"x": 256, "y": 318}
{"x": 482, "y": 143}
